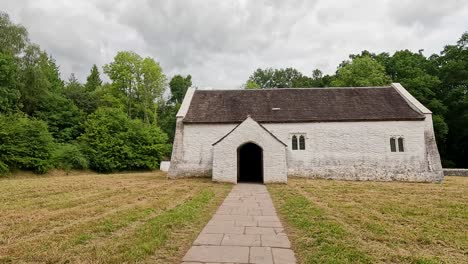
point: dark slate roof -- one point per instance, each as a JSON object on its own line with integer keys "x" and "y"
{"x": 300, "y": 105}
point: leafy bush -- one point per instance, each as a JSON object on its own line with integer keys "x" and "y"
{"x": 68, "y": 156}
{"x": 113, "y": 142}
{"x": 3, "y": 168}
{"x": 24, "y": 144}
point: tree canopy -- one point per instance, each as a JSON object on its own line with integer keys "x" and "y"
{"x": 361, "y": 72}
{"x": 129, "y": 122}
{"x": 46, "y": 122}
{"x": 179, "y": 86}
{"x": 440, "y": 82}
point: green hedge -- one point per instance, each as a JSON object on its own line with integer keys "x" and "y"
{"x": 68, "y": 156}
{"x": 114, "y": 142}
{"x": 25, "y": 144}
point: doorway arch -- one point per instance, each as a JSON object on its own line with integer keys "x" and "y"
{"x": 250, "y": 163}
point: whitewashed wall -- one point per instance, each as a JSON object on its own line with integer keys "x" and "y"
{"x": 225, "y": 153}
{"x": 356, "y": 150}
{"x": 338, "y": 150}
{"x": 341, "y": 150}
{"x": 192, "y": 153}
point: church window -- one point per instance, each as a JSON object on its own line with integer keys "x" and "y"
{"x": 298, "y": 141}
{"x": 401, "y": 147}
{"x": 294, "y": 142}
{"x": 392, "y": 144}
{"x": 301, "y": 142}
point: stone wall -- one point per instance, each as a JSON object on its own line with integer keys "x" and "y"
{"x": 456, "y": 172}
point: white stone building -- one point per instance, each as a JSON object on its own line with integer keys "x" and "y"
{"x": 266, "y": 135}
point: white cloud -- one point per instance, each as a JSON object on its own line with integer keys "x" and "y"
{"x": 220, "y": 43}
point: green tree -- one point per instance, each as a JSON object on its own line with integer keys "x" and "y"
{"x": 114, "y": 142}
{"x": 179, "y": 86}
{"x": 275, "y": 78}
{"x": 360, "y": 72}
{"x": 39, "y": 77}
{"x": 83, "y": 98}
{"x": 67, "y": 157}
{"x": 25, "y": 144}
{"x": 109, "y": 95}
{"x": 94, "y": 79}
{"x": 41, "y": 95}
{"x": 167, "y": 119}
{"x": 251, "y": 85}
{"x": 14, "y": 38}
{"x": 9, "y": 92}
{"x": 452, "y": 70}
{"x": 141, "y": 80}
{"x": 285, "y": 78}
{"x": 63, "y": 117}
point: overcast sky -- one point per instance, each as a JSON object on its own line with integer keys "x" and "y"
{"x": 220, "y": 43}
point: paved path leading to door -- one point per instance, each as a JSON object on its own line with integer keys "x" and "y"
{"x": 245, "y": 229}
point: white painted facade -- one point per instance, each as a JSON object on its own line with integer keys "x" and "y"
{"x": 224, "y": 156}
{"x": 335, "y": 150}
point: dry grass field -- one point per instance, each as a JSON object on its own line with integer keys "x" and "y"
{"x": 138, "y": 217}
{"x": 375, "y": 222}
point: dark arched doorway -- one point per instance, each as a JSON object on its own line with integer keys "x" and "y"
{"x": 250, "y": 163}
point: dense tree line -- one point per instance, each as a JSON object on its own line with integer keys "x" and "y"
{"x": 129, "y": 122}
{"x": 439, "y": 81}
{"x": 46, "y": 122}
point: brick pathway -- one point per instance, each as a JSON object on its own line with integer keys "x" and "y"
{"x": 245, "y": 229}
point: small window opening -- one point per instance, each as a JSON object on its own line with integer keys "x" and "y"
{"x": 301, "y": 142}
{"x": 294, "y": 142}
{"x": 392, "y": 145}
{"x": 401, "y": 144}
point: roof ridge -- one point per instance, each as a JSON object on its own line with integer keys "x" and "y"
{"x": 295, "y": 88}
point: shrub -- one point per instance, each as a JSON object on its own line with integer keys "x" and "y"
{"x": 68, "y": 156}
{"x": 24, "y": 144}
{"x": 3, "y": 168}
{"x": 113, "y": 142}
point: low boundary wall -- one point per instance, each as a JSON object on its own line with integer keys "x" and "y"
{"x": 456, "y": 172}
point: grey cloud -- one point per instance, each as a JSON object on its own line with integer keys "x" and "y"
{"x": 221, "y": 42}
{"x": 426, "y": 13}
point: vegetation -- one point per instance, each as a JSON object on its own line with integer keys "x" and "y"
{"x": 105, "y": 125}
{"x": 440, "y": 82}
{"x": 91, "y": 218}
{"x": 48, "y": 123}
{"x": 369, "y": 222}
{"x": 114, "y": 142}
{"x": 25, "y": 144}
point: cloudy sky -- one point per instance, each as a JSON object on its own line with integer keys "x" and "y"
{"x": 220, "y": 43}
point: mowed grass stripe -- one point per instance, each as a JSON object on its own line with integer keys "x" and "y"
{"x": 111, "y": 233}
{"x": 57, "y": 221}
{"x": 153, "y": 233}
{"x": 315, "y": 238}
{"x": 391, "y": 222}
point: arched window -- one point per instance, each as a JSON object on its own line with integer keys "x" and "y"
{"x": 301, "y": 142}
{"x": 401, "y": 147}
{"x": 294, "y": 142}
{"x": 392, "y": 144}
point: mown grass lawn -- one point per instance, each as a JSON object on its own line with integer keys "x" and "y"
{"x": 138, "y": 217}
{"x": 375, "y": 222}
